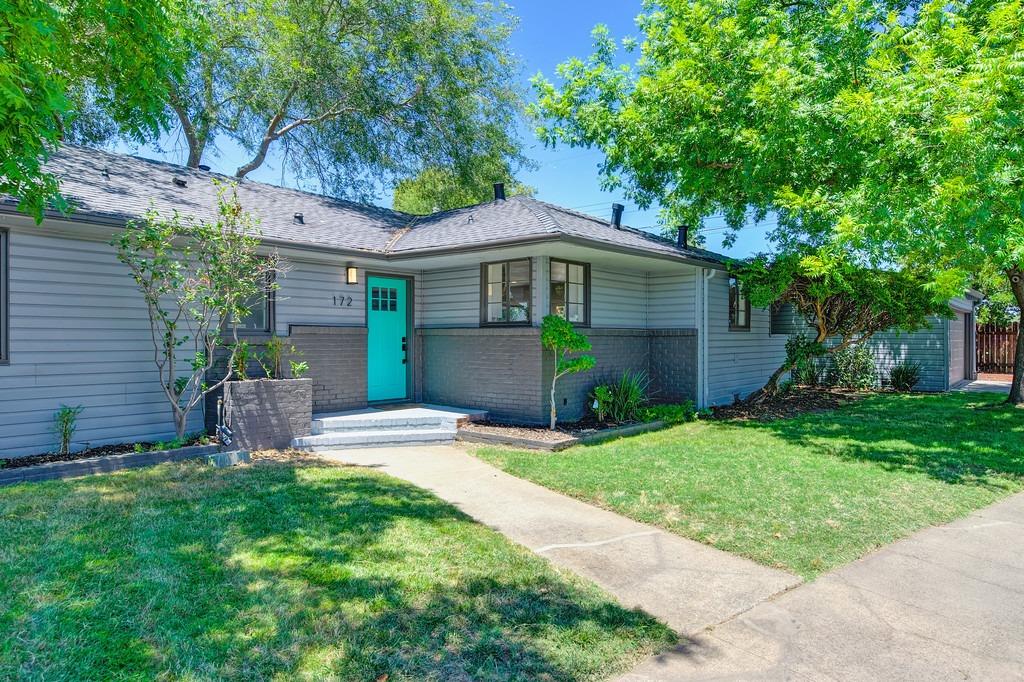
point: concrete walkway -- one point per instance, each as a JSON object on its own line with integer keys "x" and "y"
{"x": 687, "y": 585}
{"x": 944, "y": 604}
{"x": 983, "y": 385}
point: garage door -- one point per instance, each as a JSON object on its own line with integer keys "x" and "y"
{"x": 957, "y": 348}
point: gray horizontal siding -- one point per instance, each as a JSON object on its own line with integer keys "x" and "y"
{"x": 671, "y": 300}
{"x": 618, "y": 299}
{"x": 79, "y": 335}
{"x": 926, "y": 347}
{"x": 449, "y": 298}
{"x": 306, "y": 295}
{"x": 739, "y": 362}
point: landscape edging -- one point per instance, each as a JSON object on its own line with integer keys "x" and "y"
{"x": 102, "y": 465}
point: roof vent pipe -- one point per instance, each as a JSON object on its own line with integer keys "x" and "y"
{"x": 179, "y": 181}
{"x": 617, "y": 210}
{"x": 683, "y": 236}
{"x": 499, "y": 191}
{"x": 299, "y": 220}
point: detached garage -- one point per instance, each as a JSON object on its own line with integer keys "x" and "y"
{"x": 945, "y": 350}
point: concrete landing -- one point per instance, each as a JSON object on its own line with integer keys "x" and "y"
{"x": 404, "y": 425}
{"x": 687, "y": 585}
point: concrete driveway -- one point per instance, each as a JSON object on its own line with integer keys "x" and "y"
{"x": 945, "y": 604}
{"x": 687, "y": 585}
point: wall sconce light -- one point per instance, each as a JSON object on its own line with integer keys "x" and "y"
{"x": 351, "y": 274}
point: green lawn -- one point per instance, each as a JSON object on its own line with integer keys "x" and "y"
{"x": 804, "y": 494}
{"x": 283, "y": 572}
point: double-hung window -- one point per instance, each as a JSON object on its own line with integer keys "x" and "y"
{"x": 570, "y": 291}
{"x": 739, "y": 307}
{"x": 5, "y": 275}
{"x": 506, "y": 292}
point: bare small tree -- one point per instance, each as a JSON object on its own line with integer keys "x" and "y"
{"x": 197, "y": 279}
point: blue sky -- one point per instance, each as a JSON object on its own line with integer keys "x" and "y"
{"x": 549, "y": 32}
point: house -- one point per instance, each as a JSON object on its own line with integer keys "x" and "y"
{"x": 385, "y": 307}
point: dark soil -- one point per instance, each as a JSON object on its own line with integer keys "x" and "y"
{"x": 789, "y": 404}
{"x": 101, "y": 451}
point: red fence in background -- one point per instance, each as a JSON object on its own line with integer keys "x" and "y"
{"x": 997, "y": 346}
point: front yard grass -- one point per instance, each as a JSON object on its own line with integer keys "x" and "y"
{"x": 805, "y": 494}
{"x": 285, "y": 571}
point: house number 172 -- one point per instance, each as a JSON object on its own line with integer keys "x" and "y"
{"x": 343, "y": 301}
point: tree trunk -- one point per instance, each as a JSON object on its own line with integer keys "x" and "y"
{"x": 180, "y": 423}
{"x": 1017, "y": 387}
{"x": 771, "y": 387}
{"x": 554, "y": 413}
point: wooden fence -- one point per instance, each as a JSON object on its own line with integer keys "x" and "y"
{"x": 996, "y": 348}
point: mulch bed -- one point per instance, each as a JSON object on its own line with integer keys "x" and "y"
{"x": 562, "y": 432}
{"x": 100, "y": 451}
{"x": 790, "y": 404}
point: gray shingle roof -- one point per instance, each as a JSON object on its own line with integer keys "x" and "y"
{"x": 122, "y": 187}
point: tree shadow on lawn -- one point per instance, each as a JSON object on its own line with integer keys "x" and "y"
{"x": 287, "y": 570}
{"x": 959, "y": 439}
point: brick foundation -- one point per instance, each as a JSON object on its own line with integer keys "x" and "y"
{"x": 337, "y": 365}
{"x": 505, "y": 372}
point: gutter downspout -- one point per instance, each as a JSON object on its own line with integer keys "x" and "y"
{"x": 705, "y": 344}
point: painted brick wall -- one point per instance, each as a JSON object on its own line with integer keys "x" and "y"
{"x": 268, "y": 414}
{"x": 498, "y": 370}
{"x": 616, "y": 350}
{"x": 669, "y": 356}
{"x": 673, "y": 365}
{"x": 337, "y": 365}
{"x": 505, "y": 372}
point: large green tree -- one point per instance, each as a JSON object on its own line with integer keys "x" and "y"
{"x": 351, "y": 93}
{"x": 118, "y": 55}
{"x": 440, "y": 189}
{"x": 892, "y": 127}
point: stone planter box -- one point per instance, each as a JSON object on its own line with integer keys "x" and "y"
{"x": 266, "y": 414}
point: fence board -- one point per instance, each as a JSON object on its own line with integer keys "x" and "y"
{"x": 997, "y": 347}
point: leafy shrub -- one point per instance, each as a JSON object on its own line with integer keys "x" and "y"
{"x": 803, "y": 353}
{"x": 679, "y": 413}
{"x": 65, "y": 421}
{"x": 855, "y": 368}
{"x": 240, "y": 360}
{"x": 629, "y": 395}
{"x": 272, "y": 358}
{"x": 602, "y": 396}
{"x": 904, "y": 376}
{"x": 299, "y": 369}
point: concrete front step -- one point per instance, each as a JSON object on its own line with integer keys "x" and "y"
{"x": 379, "y": 422}
{"x": 375, "y": 438}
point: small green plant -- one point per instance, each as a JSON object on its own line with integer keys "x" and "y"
{"x": 802, "y": 353}
{"x": 65, "y": 421}
{"x": 602, "y": 401}
{"x": 678, "y": 413}
{"x": 855, "y": 368}
{"x": 272, "y": 358}
{"x": 240, "y": 360}
{"x": 299, "y": 369}
{"x": 629, "y": 395}
{"x": 904, "y": 376}
{"x": 559, "y": 336}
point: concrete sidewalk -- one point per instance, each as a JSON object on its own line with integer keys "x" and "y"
{"x": 687, "y": 585}
{"x": 945, "y": 604}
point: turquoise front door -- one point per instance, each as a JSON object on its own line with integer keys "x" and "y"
{"x": 387, "y": 342}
